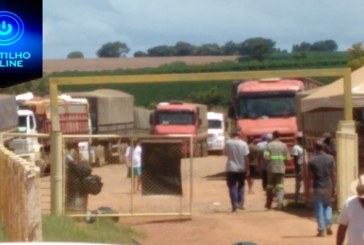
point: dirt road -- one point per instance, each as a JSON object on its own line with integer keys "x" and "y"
{"x": 214, "y": 223}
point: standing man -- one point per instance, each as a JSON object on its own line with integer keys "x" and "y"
{"x": 263, "y": 162}
{"x": 237, "y": 168}
{"x": 278, "y": 155}
{"x": 133, "y": 157}
{"x": 253, "y": 162}
{"x": 322, "y": 174}
{"x": 351, "y": 219}
{"x": 297, "y": 152}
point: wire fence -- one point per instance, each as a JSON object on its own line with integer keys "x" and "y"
{"x": 99, "y": 180}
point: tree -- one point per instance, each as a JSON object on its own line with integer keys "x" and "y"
{"x": 356, "y": 51}
{"x": 113, "y": 49}
{"x": 162, "y": 50}
{"x": 208, "y": 49}
{"x": 326, "y": 45}
{"x": 257, "y": 48}
{"x": 230, "y": 48}
{"x": 304, "y": 46}
{"x": 75, "y": 55}
{"x": 356, "y": 56}
{"x": 183, "y": 49}
{"x": 140, "y": 54}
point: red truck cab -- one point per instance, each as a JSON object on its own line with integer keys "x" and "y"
{"x": 263, "y": 106}
{"x": 179, "y": 118}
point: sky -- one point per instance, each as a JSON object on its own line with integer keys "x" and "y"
{"x": 85, "y": 25}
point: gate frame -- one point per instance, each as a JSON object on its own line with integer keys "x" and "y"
{"x": 56, "y": 134}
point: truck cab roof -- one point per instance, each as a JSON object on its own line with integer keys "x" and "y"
{"x": 270, "y": 85}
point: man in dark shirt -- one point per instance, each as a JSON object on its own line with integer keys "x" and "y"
{"x": 322, "y": 173}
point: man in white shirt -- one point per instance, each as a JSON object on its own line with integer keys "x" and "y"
{"x": 351, "y": 219}
{"x": 133, "y": 157}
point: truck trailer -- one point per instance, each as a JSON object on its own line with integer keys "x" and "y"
{"x": 113, "y": 112}
{"x": 34, "y": 116}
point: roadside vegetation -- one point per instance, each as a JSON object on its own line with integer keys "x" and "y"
{"x": 103, "y": 230}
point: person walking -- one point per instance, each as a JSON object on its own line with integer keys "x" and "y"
{"x": 253, "y": 162}
{"x": 297, "y": 152}
{"x": 278, "y": 155}
{"x": 351, "y": 218}
{"x": 237, "y": 168}
{"x": 133, "y": 156}
{"x": 322, "y": 176}
{"x": 263, "y": 162}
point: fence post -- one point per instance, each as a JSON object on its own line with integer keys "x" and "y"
{"x": 347, "y": 159}
{"x": 56, "y": 174}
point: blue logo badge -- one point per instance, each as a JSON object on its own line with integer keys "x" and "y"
{"x": 11, "y": 28}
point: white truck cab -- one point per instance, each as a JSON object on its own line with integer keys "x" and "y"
{"x": 216, "y": 132}
{"x": 27, "y": 123}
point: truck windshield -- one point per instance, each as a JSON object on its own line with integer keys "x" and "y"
{"x": 266, "y": 107}
{"x": 22, "y": 121}
{"x": 175, "y": 117}
{"x": 216, "y": 124}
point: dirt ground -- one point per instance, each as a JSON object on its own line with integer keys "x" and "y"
{"x": 213, "y": 222}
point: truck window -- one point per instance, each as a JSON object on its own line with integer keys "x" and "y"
{"x": 266, "y": 107}
{"x": 172, "y": 118}
{"x": 216, "y": 124}
{"x": 22, "y": 121}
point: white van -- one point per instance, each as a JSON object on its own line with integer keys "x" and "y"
{"x": 216, "y": 132}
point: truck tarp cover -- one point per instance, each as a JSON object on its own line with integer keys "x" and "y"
{"x": 141, "y": 117}
{"x": 331, "y": 95}
{"x": 8, "y": 112}
{"x": 113, "y": 106}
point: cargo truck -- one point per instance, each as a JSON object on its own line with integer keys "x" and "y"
{"x": 34, "y": 116}
{"x": 262, "y": 106}
{"x": 9, "y": 124}
{"x": 180, "y": 118}
{"x": 114, "y": 112}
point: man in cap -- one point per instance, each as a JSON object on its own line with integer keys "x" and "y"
{"x": 351, "y": 219}
{"x": 237, "y": 168}
{"x": 278, "y": 155}
{"x": 322, "y": 174}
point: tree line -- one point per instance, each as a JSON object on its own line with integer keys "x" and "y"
{"x": 257, "y": 48}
